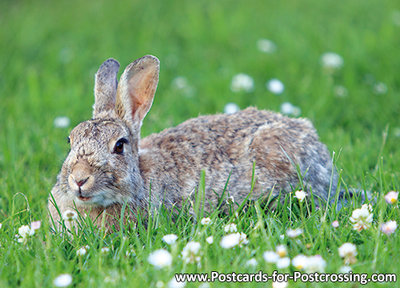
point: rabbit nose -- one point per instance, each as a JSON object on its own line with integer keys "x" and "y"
{"x": 81, "y": 176}
{"x": 81, "y": 182}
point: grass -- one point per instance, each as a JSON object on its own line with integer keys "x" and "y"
{"x": 50, "y": 52}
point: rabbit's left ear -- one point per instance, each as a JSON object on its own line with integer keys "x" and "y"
{"x": 105, "y": 87}
{"x": 136, "y": 90}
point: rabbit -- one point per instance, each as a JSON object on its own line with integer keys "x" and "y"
{"x": 109, "y": 165}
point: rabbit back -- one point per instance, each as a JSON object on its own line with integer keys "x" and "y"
{"x": 227, "y": 146}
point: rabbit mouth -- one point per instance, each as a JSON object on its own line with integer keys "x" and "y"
{"x": 84, "y": 199}
{"x": 100, "y": 198}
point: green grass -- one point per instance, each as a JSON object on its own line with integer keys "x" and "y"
{"x": 50, "y": 52}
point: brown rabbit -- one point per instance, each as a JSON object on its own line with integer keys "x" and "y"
{"x": 109, "y": 164}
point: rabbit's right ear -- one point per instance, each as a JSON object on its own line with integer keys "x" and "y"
{"x": 136, "y": 90}
{"x": 105, "y": 87}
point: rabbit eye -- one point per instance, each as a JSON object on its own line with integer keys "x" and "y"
{"x": 68, "y": 140}
{"x": 119, "y": 146}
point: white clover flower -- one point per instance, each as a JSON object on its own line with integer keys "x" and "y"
{"x": 242, "y": 82}
{"x": 275, "y": 86}
{"x": 191, "y": 252}
{"x": 252, "y": 262}
{"x": 362, "y": 218}
{"x": 391, "y": 197}
{"x": 160, "y": 258}
{"x": 170, "y": 239}
{"x": 345, "y": 269}
{"x": 299, "y": 261}
{"x": 112, "y": 277}
{"x": 175, "y": 284}
{"x": 348, "y": 251}
{"x": 270, "y": 257}
{"x": 230, "y": 200}
{"x": 283, "y": 263}
{"x": 210, "y": 240}
{"x": 281, "y": 250}
{"x": 335, "y": 224}
{"x": 380, "y": 88}
{"x": 289, "y": 109}
{"x": 205, "y": 221}
{"x": 331, "y": 60}
{"x": 105, "y": 250}
{"x": 243, "y": 239}
{"x": 367, "y": 207}
{"x": 35, "y": 225}
{"x": 81, "y": 251}
{"x": 309, "y": 264}
{"x": 70, "y": 215}
{"x": 231, "y": 108}
{"x": 389, "y": 227}
{"x": 160, "y": 284}
{"x": 266, "y": 46}
{"x": 230, "y": 228}
{"x": 282, "y": 236}
{"x": 230, "y": 241}
{"x": 282, "y": 284}
{"x": 300, "y": 195}
{"x": 24, "y": 231}
{"x": 61, "y": 122}
{"x": 340, "y": 91}
{"x": 315, "y": 264}
{"x": 180, "y": 83}
{"x": 62, "y": 280}
{"x": 293, "y": 233}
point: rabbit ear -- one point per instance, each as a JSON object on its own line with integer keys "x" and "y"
{"x": 105, "y": 87}
{"x": 136, "y": 90}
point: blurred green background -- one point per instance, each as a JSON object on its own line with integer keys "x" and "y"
{"x": 50, "y": 51}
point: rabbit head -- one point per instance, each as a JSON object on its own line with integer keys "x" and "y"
{"x": 102, "y": 167}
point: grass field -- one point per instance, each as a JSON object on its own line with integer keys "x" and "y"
{"x": 50, "y": 51}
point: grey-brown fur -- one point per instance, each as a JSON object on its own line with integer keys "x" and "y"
{"x": 171, "y": 161}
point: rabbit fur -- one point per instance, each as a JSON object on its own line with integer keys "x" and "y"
{"x": 97, "y": 180}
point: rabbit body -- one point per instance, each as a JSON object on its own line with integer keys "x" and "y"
{"x": 109, "y": 165}
{"x": 227, "y": 146}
